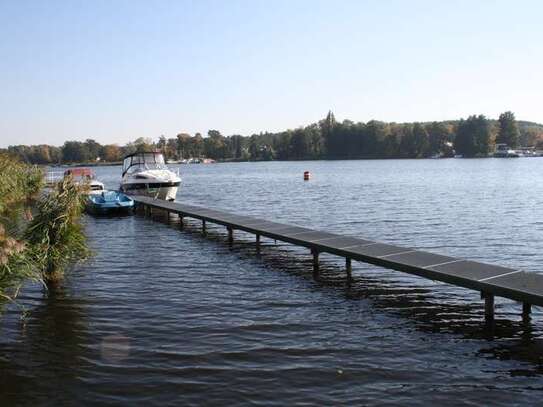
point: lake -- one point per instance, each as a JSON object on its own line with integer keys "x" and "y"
{"x": 160, "y": 316}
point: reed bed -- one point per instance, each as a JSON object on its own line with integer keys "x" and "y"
{"x": 40, "y": 233}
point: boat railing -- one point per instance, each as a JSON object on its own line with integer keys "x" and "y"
{"x": 53, "y": 177}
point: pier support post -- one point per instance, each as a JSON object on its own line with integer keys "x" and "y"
{"x": 349, "y": 270}
{"x": 489, "y": 305}
{"x": 315, "y": 263}
{"x": 168, "y": 217}
{"x": 526, "y": 311}
{"x": 204, "y": 232}
{"x": 257, "y": 243}
{"x": 230, "y": 235}
{"x": 181, "y": 225}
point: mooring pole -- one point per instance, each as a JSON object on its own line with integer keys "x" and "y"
{"x": 349, "y": 269}
{"x": 489, "y": 305}
{"x": 230, "y": 235}
{"x": 526, "y": 311}
{"x": 315, "y": 263}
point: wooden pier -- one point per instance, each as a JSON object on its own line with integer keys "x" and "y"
{"x": 489, "y": 280}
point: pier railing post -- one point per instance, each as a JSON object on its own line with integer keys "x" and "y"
{"x": 315, "y": 263}
{"x": 230, "y": 235}
{"x": 349, "y": 270}
{"x": 526, "y": 311}
{"x": 489, "y": 305}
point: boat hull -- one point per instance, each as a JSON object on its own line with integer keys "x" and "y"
{"x": 164, "y": 191}
{"x": 109, "y": 203}
{"x": 108, "y": 210}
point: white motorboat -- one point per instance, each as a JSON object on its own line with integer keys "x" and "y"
{"x": 503, "y": 151}
{"x": 145, "y": 173}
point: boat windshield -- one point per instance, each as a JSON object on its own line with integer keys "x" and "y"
{"x": 144, "y": 161}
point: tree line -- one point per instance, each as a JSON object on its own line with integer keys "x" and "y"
{"x": 475, "y": 136}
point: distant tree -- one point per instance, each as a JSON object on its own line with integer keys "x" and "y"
{"x": 171, "y": 148}
{"x": 75, "y": 152}
{"x": 438, "y": 135}
{"x": 373, "y": 135}
{"x": 161, "y": 144}
{"x": 508, "y": 132}
{"x": 214, "y": 144}
{"x": 237, "y": 146}
{"x": 473, "y": 137}
{"x": 183, "y": 145}
{"x": 93, "y": 149}
{"x": 530, "y": 136}
{"x": 415, "y": 142}
{"x": 300, "y": 144}
{"x": 111, "y": 153}
{"x": 140, "y": 144}
{"x": 327, "y": 131}
{"x": 197, "y": 145}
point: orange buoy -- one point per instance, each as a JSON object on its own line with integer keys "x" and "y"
{"x": 307, "y": 175}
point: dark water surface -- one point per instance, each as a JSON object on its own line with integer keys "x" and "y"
{"x": 164, "y": 317}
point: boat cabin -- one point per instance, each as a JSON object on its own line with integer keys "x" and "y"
{"x": 79, "y": 173}
{"x": 152, "y": 160}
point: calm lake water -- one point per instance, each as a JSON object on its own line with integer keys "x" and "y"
{"x": 160, "y": 316}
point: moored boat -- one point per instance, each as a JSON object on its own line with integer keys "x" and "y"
{"x": 85, "y": 176}
{"x": 145, "y": 173}
{"x": 109, "y": 203}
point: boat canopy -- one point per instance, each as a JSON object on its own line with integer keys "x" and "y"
{"x": 79, "y": 172}
{"x": 144, "y": 160}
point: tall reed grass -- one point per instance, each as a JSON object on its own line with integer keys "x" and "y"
{"x": 40, "y": 233}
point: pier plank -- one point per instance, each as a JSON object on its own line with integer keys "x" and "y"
{"x": 487, "y": 278}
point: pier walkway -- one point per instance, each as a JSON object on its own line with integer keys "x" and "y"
{"x": 490, "y": 280}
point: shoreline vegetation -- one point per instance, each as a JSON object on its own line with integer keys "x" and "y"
{"x": 40, "y": 233}
{"x": 327, "y": 139}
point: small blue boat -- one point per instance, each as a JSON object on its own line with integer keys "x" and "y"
{"x": 109, "y": 203}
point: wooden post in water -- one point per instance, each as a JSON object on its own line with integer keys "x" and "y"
{"x": 181, "y": 225}
{"x": 230, "y": 235}
{"x": 526, "y": 311}
{"x": 204, "y": 232}
{"x": 489, "y": 305}
{"x": 315, "y": 263}
{"x": 349, "y": 269}
{"x": 257, "y": 243}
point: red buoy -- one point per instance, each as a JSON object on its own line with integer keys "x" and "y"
{"x": 307, "y": 175}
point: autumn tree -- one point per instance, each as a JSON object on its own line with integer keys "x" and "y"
{"x": 508, "y": 132}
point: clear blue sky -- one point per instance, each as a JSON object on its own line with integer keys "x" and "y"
{"x": 117, "y": 70}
